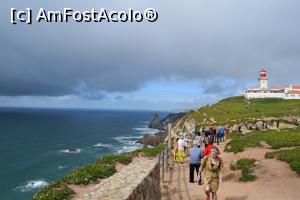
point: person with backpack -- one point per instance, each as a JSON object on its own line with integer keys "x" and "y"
{"x": 213, "y": 168}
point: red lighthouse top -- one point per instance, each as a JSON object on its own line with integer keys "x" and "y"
{"x": 263, "y": 73}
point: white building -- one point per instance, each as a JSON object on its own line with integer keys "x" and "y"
{"x": 290, "y": 92}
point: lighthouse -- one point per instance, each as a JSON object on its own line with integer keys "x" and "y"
{"x": 263, "y": 80}
{"x": 290, "y": 92}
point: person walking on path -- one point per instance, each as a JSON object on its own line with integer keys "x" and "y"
{"x": 210, "y": 145}
{"x": 196, "y": 154}
{"x": 226, "y": 132}
{"x": 185, "y": 143}
{"x": 213, "y": 168}
{"x": 206, "y": 138}
{"x": 180, "y": 151}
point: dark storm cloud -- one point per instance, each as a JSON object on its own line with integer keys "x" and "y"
{"x": 192, "y": 40}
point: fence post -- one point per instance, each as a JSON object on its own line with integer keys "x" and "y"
{"x": 169, "y": 138}
{"x": 163, "y": 166}
{"x": 169, "y": 144}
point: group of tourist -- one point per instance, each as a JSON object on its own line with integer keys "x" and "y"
{"x": 206, "y": 162}
{"x": 217, "y": 134}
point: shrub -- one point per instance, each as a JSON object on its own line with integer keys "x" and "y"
{"x": 245, "y": 165}
{"x": 150, "y": 152}
{"x": 124, "y": 158}
{"x": 54, "y": 191}
{"x": 89, "y": 173}
{"x": 246, "y": 175}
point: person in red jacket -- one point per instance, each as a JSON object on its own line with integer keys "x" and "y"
{"x": 209, "y": 147}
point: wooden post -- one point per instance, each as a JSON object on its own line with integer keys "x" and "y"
{"x": 163, "y": 166}
{"x": 169, "y": 137}
{"x": 169, "y": 144}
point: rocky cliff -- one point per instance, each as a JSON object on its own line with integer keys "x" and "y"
{"x": 242, "y": 115}
{"x": 162, "y": 124}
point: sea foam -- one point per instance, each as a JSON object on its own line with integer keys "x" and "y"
{"x": 70, "y": 151}
{"x": 33, "y": 184}
{"x": 145, "y": 130}
{"x": 104, "y": 145}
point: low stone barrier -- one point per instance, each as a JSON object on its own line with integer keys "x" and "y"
{"x": 140, "y": 180}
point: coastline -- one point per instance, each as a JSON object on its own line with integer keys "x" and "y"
{"x": 124, "y": 157}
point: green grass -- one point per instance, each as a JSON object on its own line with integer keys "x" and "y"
{"x": 150, "y": 152}
{"x": 90, "y": 173}
{"x": 276, "y": 139}
{"x": 236, "y": 109}
{"x": 246, "y": 175}
{"x": 124, "y": 158}
{"x": 245, "y": 165}
{"x": 292, "y": 157}
{"x": 55, "y": 191}
{"x": 104, "y": 167}
{"x": 245, "y": 162}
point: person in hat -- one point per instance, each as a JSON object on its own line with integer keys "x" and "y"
{"x": 196, "y": 154}
{"x": 210, "y": 145}
{"x": 213, "y": 167}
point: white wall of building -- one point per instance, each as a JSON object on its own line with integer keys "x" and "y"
{"x": 263, "y": 84}
{"x": 263, "y": 95}
{"x": 292, "y": 96}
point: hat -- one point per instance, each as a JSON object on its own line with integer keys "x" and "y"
{"x": 196, "y": 143}
{"x": 215, "y": 149}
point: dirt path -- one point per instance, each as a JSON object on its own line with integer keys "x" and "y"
{"x": 275, "y": 180}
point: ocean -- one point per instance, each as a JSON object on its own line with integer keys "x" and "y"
{"x": 35, "y": 143}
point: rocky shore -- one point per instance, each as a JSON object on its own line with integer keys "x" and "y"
{"x": 162, "y": 126}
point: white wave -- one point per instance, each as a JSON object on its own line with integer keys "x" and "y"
{"x": 61, "y": 167}
{"x": 128, "y": 140}
{"x": 128, "y": 148}
{"x": 128, "y": 137}
{"x": 146, "y": 130}
{"x": 104, "y": 145}
{"x": 33, "y": 184}
{"x": 70, "y": 151}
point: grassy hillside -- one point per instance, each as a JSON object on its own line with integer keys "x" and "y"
{"x": 233, "y": 109}
{"x": 276, "y": 139}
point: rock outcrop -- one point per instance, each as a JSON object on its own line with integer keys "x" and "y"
{"x": 156, "y": 122}
{"x": 162, "y": 124}
{"x": 153, "y": 140}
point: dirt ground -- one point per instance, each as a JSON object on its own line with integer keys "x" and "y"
{"x": 275, "y": 180}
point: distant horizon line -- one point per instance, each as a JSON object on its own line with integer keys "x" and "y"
{"x": 82, "y": 108}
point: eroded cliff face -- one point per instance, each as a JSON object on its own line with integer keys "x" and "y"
{"x": 162, "y": 124}
{"x": 156, "y": 122}
{"x": 184, "y": 125}
{"x": 187, "y": 124}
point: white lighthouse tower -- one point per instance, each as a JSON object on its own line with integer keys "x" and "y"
{"x": 263, "y": 80}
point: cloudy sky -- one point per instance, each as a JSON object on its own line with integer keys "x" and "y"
{"x": 196, "y": 53}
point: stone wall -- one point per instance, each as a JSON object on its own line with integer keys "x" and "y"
{"x": 140, "y": 180}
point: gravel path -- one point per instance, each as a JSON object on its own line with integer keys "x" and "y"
{"x": 275, "y": 180}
